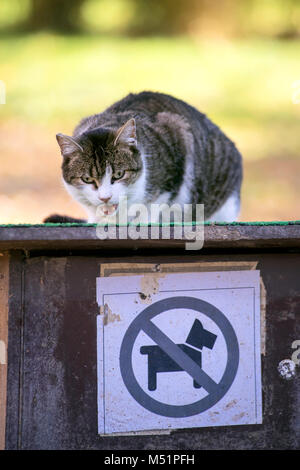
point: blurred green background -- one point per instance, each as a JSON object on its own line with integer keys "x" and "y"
{"x": 236, "y": 61}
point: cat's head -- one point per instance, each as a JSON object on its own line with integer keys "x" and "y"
{"x": 100, "y": 166}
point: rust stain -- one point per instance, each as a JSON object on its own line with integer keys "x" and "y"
{"x": 238, "y": 417}
{"x": 230, "y": 404}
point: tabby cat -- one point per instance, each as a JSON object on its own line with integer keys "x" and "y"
{"x": 152, "y": 148}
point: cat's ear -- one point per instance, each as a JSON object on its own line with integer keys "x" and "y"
{"x": 127, "y": 133}
{"x": 67, "y": 144}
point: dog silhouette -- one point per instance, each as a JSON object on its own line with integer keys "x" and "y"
{"x": 159, "y": 361}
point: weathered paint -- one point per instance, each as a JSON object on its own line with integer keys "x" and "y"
{"x": 231, "y": 237}
{"x": 4, "y": 276}
{"x": 109, "y": 316}
{"x": 132, "y": 269}
{"x": 149, "y": 286}
{"x": 226, "y": 306}
{"x": 52, "y": 398}
{"x": 287, "y": 369}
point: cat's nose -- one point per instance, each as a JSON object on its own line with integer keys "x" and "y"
{"x": 105, "y": 199}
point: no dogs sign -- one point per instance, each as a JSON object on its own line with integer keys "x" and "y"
{"x": 178, "y": 351}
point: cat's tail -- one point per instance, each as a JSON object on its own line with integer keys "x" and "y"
{"x": 62, "y": 219}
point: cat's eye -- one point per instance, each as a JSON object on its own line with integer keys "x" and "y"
{"x": 87, "y": 179}
{"x": 118, "y": 174}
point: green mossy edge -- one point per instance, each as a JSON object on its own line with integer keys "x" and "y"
{"x": 189, "y": 224}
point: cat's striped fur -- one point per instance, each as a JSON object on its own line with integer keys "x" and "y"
{"x": 153, "y": 148}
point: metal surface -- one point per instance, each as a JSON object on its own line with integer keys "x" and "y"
{"x": 184, "y": 310}
{"x": 231, "y": 237}
{"x": 4, "y": 282}
{"x": 52, "y": 364}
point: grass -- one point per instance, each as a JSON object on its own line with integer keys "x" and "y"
{"x": 53, "y": 81}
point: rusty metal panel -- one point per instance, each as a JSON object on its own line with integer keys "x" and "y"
{"x": 52, "y": 376}
{"x": 15, "y": 349}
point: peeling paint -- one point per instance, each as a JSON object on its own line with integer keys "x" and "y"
{"x": 219, "y": 234}
{"x": 2, "y": 352}
{"x": 149, "y": 287}
{"x": 109, "y": 316}
{"x": 287, "y": 369}
{"x": 133, "y": 269}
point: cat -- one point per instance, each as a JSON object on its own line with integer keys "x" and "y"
{"x": 151, "y": 148}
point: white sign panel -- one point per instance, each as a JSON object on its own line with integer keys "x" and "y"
{"x": 178, "y": 351}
